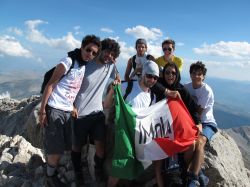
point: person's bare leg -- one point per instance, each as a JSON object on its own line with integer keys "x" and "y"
{"x": 158, "y": 175}
{"x": 52, "y": 163}
{"x": 100, "y": 148}
{"x": 188, "y": 155}
{"x": 198, "y": 155}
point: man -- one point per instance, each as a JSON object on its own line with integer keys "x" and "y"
{"x": 136, "y": 62}
{"x": 57, "y": 103}
{"x": 168, "y": 48}
{"x": 204, "y": 98}
{"x": 90, "y": 120}
{"x": 139, "y": 97}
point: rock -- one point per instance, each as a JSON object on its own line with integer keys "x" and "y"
{"x": 224, "y": 164}
{"x": 14, "y": 115}
{"x": 22, "y": 162}
{"x": 241, "y": 136}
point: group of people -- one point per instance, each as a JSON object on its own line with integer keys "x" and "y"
{"x": 72, "y": 103}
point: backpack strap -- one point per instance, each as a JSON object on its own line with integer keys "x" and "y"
{"x": 128, "y": 89}
{"x": 72, "y": 65}
{"x": 133, "y": 62}
{"x": 152, "y": 96}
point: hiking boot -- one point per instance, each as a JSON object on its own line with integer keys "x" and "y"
{"x": 54, "y": 181}
{"x": 79, "y": 179}
{"x": 203, "y": 179}
{"x": 193, "y": 183}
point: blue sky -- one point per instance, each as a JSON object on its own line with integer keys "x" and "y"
{"x": 35, "y": 35}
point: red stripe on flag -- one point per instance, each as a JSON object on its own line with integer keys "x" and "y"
{"x": 185, "y": 130}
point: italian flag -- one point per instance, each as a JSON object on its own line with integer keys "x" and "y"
{"x": 147, "y": 134}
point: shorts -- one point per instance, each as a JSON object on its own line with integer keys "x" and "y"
{"x": 208, "y": 130}
{"x": 57, "y": 134}
{"x": 91, "y": 126}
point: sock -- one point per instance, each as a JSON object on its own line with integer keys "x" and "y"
{"x": 76, "y": 161}
{"x": 50, "y": 170}
{"x": 98, "y": 162}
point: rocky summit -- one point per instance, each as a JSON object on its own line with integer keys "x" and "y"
{"x": 22, "y": 159}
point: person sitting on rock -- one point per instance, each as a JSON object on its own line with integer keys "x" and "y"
{"x": 204, "y": 98}
{"x": 171, "y": 82}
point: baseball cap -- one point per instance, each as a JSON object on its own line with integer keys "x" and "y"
{"x": 150, "y": 67}
{"x": 140, "y": 41}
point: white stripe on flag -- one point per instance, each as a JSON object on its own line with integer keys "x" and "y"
{"x": 153, "y": 151}
{"x": 153, "y": 122}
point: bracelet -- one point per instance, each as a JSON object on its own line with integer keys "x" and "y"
{"x": 42, "y": 113}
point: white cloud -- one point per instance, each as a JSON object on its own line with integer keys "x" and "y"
{"x": 5, "y": 95}
{"x": 237, "y": 50}
{"x": 11, "y": 47}
{"x": 108, "y": 30}
{"x": 232, "y": 69}
{"x": 126, "y": 51}
{"x": 77, "y": 27}
{"x": 67, "y": 42}
{"x": 77, "y": 30}
{"x": 155, "y": 50}
{"x": 179, "y": 44}
{"x": 143, "y": 32}
{"x": 15, "y": 30}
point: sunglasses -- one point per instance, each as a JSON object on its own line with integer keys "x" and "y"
{"x": 170, "y": 73}
{"x": 167, "y": 49}
{"x": 88, "y": 50}
{"x": 149, "y": 76}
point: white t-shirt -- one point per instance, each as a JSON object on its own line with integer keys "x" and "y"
{"x": 137, "y": 98}
{"x": 204, "y": 98}
{"x": 140, "y": 60}
{"x": 64, "y": 94}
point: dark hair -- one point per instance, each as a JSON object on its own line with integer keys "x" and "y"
{"x": 198, "y": 66}
{"x": 92, "y": 39}
{"x": 177, "y": 77}
{"x": 111, "y": 45}
{"x": 168, "y": 41}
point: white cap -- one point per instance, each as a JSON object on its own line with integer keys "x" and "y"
{"x": 150, "y": 67}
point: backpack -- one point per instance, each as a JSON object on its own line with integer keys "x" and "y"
{"x": 133, "y": 60}
{"x": 129, "y": 89}
{"x": 48, "y": 75}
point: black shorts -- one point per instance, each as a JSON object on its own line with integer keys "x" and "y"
{"x": 91, "y": 126}
{"x": 57, "y": 134}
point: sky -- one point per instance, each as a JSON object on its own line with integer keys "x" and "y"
{"x": 35, "y": 35}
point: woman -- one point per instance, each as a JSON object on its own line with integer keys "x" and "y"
{"x": 171, "y": 81}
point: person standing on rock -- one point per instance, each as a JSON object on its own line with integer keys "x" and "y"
{"x": 204, "y": 98}
{"x": 89, "y": 116}
{"x": 57, "y": 104}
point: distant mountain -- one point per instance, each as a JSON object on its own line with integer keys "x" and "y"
{"x": 232, "y": 98}
{"x": 19, "y": 89}
{"x": 231, "y": 93}
{"x": 226, "y": 117}
{"x": 241, "y": 136}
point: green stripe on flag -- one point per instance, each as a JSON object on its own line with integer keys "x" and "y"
{"x": 124, "y": 163}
